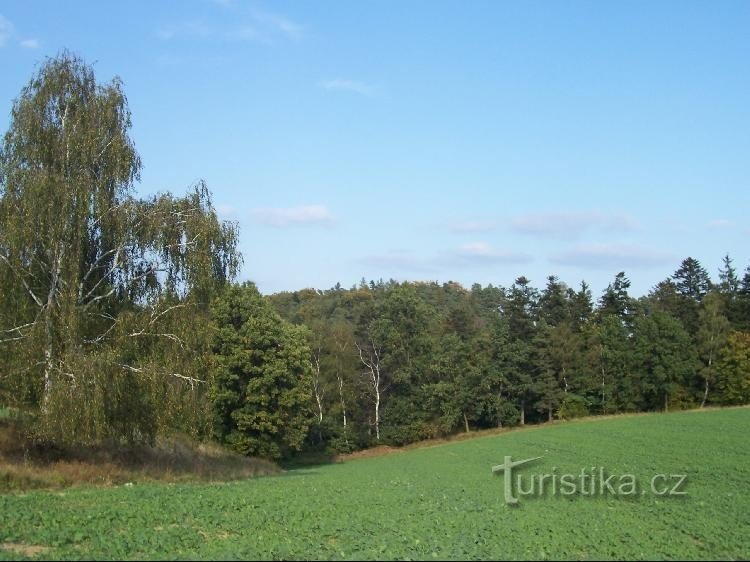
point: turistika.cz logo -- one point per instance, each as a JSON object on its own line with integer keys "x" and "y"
{"x": 590, "y": 481}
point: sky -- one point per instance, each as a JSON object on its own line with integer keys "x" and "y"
{"x": 431, "y": 140}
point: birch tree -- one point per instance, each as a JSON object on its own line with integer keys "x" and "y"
{"x": 713, "y": 330}
{"x": 99, "y": 288}
{"x": 371, "y": 357}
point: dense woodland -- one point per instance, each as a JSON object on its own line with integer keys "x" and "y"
{"x": 398, "y": 362}
{"x": 121, "y": 318}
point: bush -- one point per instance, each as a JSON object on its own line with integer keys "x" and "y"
{"x": 573, "y": 406}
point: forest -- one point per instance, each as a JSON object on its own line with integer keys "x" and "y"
{"x": 121, "y": 318}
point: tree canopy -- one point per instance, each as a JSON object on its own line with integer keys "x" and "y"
{"x": 97, "y": 283}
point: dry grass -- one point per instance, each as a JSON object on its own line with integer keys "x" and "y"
{"x": 27, "y": 465}
{"x": 28, "y": 550}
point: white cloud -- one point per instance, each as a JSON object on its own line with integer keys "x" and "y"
{"x": 571, "y": 224}
{"x": 345, "y": 85}
{"x": 186, "y": 30}
{"x": 481, "y": 252}
{"x": 226, "y": 211}
{"x": 258, "y": 26}
{"x": 306, "y": 215}
{"x": 30, "y": 44}
{"x": 398, "y": 261}
{"x": 612, "y": 256}
{"x": 7, "y": 30}
{"x": 248, "y": 26}
{"x": 245, "y": 33}
{"x": 467, "y": 227}
{"x": 720, "y": 224}
{"x": 477, "y": 249}
{"x": 280, "y": 24}
{"x": 472, "y": 255}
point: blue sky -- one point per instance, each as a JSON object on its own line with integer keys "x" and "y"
{"x": 437, "y": 140}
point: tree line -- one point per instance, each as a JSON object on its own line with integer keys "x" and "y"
{"x": 399, "y": 362}
{"x": 121, "y": 318}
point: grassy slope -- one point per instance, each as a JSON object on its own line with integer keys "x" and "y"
{"x": 25, "y": 465}
{"x": 439, "y": 501}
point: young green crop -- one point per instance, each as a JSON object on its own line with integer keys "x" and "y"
{"x": 436, "y": 502}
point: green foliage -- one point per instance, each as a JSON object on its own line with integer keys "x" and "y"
{"x": 616, "y": 301}
{"x": 713, "y": 329}
{"x": 618, "y": 386}
{"x": 665, "y": 356}
{"x": 573, "y": 406}
{"x": 692, "y": 283}
{"x": 262, "y": 380}
{"x": 692, "y": 279}
{"x": 733, "y": 370}
{"x": 103, "y": 307}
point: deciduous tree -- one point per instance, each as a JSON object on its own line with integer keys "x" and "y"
{"x": 98, "y": 286}
{"x": 262, "y": 380}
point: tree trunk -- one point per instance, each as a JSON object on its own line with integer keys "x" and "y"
{"x": 47, "y": 361}
{"x": 377, "y": 413}
{"x": 466, "y": 423}
{"x": 341, "y": 398}
{"x": 549, "y": 414}
{"x": 320, "y": 407}
{"x": 373, "y": 367}
{"x": 523, "y": 413}
{"x": 710, "y": 361}
{"x": 48, "y": 310}
{"x": 666, "y": 401}
{"x": 604, "y": 403}
{"x": 705, "y": 394}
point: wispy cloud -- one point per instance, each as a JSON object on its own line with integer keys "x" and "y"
{"x": 7, "y": 30}
{"x": 720, "y": 224}
{"x": 201, "y": 31}
{"x": 305, "y": 215}
{"x": 30, "y": 44}
{"x": 571, "y": 224}
{"x": 225, "y": 211}
{"x": 612, "y": 256}
{"x": 279, "y": 23}
{"x": 398, "y": 261}
{"x": 472, "y": 255}
{"x": 245, "y": 33}
{"x": 468, "y": 227}
{"x": 8, "y": 33}
{"x": 483, "y": 253}
{"x": 346, "y": 85}
{"x": 186, "y": 30}
{"x": 253, "y": 26}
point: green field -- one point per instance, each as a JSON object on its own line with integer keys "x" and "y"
{"x": 434, "y": 502}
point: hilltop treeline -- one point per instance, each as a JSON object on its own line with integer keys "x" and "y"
{"x": 120, "y": 318}
{"x": 398, "y": 362}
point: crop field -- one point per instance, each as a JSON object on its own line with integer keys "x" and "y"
{"x": 440, "y": 501}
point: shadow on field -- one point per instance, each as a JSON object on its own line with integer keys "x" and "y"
{"x": 295, "y": 473}
{"x": 309, "y": 459}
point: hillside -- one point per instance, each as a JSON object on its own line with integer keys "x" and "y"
{"x": 433, "y": 502}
